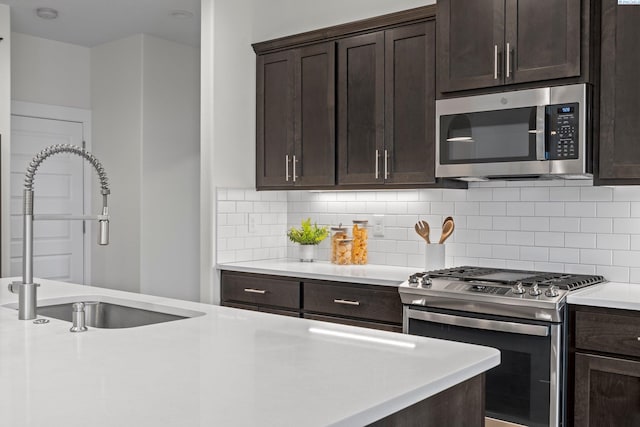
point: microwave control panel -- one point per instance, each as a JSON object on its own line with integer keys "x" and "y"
{"x": 562, "y": 131}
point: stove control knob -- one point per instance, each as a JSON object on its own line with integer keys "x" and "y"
{"x": 552, "y": 291}
{"x": 534, "y": 291}
{"x": 518, "y": 289}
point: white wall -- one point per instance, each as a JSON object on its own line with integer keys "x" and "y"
{"x": 50, "y": 72}
{"x": 5, "y": 131}
{"x": 116, "y": 88}
{"x": 169, "y": 265}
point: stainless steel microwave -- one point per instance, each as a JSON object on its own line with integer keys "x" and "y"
{"x": 523, "y": 134}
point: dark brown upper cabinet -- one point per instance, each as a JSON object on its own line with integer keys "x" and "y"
{"x": 386, "y": 101}
{"x": 295, "y": 123}
{"x": 618, "y": 161}
{"x": 488, "y": 43}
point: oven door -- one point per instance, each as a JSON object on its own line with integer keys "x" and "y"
{"x": 525, "y": 388}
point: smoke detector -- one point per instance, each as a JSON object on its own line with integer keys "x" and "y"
{"x": 46, "y": 13}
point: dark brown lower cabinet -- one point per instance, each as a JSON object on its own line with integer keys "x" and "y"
{"x": 607, "y": 391}
{"x": 367, "y": 306}
{"x": 606, "y": 367}
{"x": 459, "y": 406}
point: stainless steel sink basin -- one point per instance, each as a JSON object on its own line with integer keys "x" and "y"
{"x": 112, "y": 313}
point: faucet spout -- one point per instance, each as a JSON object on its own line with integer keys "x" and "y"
{"x": 27, "y": 289}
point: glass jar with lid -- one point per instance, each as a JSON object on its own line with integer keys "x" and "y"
{"x": 360, "y": 234}
{"x": 344, "y": 247}
{"x": 337, "y": 234}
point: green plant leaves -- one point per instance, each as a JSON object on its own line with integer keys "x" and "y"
{"x": 308, "y": 234}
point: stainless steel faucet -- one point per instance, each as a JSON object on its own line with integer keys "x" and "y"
{"x": 27, "y": 300}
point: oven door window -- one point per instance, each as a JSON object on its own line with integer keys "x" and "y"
{"x": 489, "y": 136}
{"x": 517, "y": 390}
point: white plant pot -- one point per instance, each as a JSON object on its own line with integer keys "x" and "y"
{"x": 307, "y": 252}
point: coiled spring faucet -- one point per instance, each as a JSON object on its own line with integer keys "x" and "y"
{"x": 27, "y": 300}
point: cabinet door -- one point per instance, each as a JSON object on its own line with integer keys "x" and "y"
{"x": 360, "y": 108}
{"x": 315, "y": 116}
{"x": 274, "y": 119}
{"x": 470, "y": 44}
{"x": 607, "y": 391}
{"x": 619, "y": 151}
{"x": 542, "y": 40}
{"x": 409, "y": 154}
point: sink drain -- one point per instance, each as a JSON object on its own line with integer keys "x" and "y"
{"x": 41, "y": 321}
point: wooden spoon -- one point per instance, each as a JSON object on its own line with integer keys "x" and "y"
{"x": 447, "y": 229}
{"x": 422, "y": 228}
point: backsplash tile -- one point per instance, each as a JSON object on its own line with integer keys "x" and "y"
{"x": 556, "y": 226}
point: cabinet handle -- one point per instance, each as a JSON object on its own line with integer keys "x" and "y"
{"x": 346, "y": 302}
{"x": 386, "y": 164}
{"x": 377, "y": 166}
{"x": 286, "y": 160}
{"x": 255, "y": 291}
{"x": 508, "y": 59}
{"x": 294, "y": 168}
{"x": 495, "y": 62}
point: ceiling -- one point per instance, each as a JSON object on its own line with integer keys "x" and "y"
{"x": 93, "y": 22}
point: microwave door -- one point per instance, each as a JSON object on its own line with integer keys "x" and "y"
{"x": 492, "y": 143}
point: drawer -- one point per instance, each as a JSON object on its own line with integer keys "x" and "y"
{"x": 379, "y": 303}
{"x": 262, "y": 309}
{"x": 608, "y": 332}
{"x": 260, "y": 290}
{"x": 352, "y": 322}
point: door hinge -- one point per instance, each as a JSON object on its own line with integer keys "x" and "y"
{"x": 84, "y": 145}
{"x": 84, "y": 227}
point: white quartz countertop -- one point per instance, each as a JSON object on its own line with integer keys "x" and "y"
{"x": 226, "y": 367}
{"x": 322, "y": 270}
{"x": 609, "y": 295}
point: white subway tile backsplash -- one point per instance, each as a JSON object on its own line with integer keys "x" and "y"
{"x": 506, "y": 194}
{"x": 506, "y": 223}
{"x": 564, "y": 224}
{"x": 493, "y": 208}
{"x": 521, "y": 209}
{"x": 580, "y": 209}
{"x": 597, "y": 194}
{"x": 579, "y": 269}
{"x": 613, "y": 274}
{"x": 626, "y": 258}
{"x": 596, "y": 256}
{"x": 549, "y": 239}
{"x": 596, "y": 225}
{"x": 479, "y": 194}
{"x": 534, "y": 224}
{"x": 564, "y": 255}
{"x": 480, "y": 222}
{"x": 535, "y": 194}
{"x": 549, "y": 209}
{"x": 612, "y": 241}
{"x": 467, "y": 208}
{"x": 626, "y": 225}
{"x": 580, "y": 240}
{"x": 532, "y": 253}
{"x": 520, "y": 238}
{"x": 493, "y": 237}
{"x": 552, "y": 226}
{"x": 613, "y": 209}
{"x": 505, "y": 252}
{"x": 564, "y": 194}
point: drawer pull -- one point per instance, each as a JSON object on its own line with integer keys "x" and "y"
{"x": 255, "y": 291}
{"x": 346, "y": 302}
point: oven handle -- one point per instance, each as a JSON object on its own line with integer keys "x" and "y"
{"x": 541, "y": 133}
{"x": 471, "y": 322}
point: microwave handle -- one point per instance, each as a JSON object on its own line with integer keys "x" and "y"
{"x": 541, "y": 133}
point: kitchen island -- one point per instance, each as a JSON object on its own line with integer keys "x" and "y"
{"x": 223, "y": 367}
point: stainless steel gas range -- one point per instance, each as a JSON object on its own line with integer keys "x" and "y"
{"x": 521, "y": 313}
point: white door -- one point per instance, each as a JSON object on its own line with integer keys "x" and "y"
{"x": 58, "y": 189}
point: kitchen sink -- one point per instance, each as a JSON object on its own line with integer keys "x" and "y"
{"x": 112, "y": 313}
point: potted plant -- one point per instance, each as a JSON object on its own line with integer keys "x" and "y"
{"x": 308, "y": 237}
